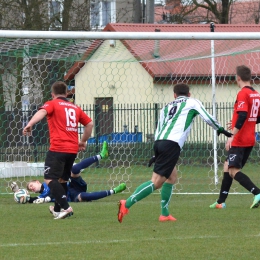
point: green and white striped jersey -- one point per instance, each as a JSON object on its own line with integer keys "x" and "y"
{"x": 176, "y": 119}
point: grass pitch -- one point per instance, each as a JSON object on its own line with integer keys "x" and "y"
{"x": 93, "y": 232}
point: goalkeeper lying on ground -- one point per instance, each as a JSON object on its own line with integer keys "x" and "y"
{"x": 76, "y": 187}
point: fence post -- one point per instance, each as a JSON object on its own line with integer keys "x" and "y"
{"x": 97, "y": 131}
{"x": 155, "y": 115}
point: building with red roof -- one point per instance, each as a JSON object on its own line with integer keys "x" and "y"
{"x": 144, "y": 71}
{"x": 172, "y": 54}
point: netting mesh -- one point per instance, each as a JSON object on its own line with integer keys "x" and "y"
{"x": 121, "y": 85}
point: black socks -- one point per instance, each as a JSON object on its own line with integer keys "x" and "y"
{"x": 59, "y": 193}
{"x": 225, "y": 187}
{"x": 245, "y": 181}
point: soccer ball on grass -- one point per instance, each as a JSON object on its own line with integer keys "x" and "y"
{"x": 21, "y": 196}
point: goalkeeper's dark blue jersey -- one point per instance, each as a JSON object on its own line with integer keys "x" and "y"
{"x": 45, "y": 191}
{"x": 75, "y": 187}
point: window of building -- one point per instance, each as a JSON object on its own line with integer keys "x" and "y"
{"x": 102, "y": 13}
{"x": 55, "y": 13}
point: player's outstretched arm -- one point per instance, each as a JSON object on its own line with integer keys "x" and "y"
{"x": 210, "y": 120}
{"x": 38, "y": 116}
{"x": 221, "y": 130}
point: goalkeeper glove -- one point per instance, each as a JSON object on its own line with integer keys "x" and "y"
{"x": 47, "y": 199}
{"x": 151, "y": 161}
{"x": 14, "y": 186}
{"x": 42, "y": 200}
{"x": 221, "y": 130}
{"x": 39, "y": 201}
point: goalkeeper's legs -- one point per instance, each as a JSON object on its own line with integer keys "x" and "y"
{"x": 90, "y": 196}
{"x": 77, "y": 168}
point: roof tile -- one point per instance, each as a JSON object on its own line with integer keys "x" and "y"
{"x": 187, "y": 58}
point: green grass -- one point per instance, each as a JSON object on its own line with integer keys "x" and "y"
{"x": 93, "y": 232}
{"x": 192, "y": 178}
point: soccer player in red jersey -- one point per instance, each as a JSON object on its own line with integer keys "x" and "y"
{"x": 245, "y": 116}
{"x": 63, "y": 118}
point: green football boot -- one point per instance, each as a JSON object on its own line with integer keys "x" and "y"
{"x": 218, "y": 206}
{"x": 104, "y": 152}
{"x": 121, "y": 187}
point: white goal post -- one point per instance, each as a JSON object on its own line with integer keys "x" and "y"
{"x": 129, "y": 36}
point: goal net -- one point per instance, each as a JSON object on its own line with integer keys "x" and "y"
{"x": 121, "y": 84}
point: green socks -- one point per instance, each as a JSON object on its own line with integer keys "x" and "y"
{"x": 140, "y": 193}
{"x": 166, "y": 194}
{"x": 146, "y": 189}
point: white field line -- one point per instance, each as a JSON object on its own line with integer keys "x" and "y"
{"x": 118, "y": 241}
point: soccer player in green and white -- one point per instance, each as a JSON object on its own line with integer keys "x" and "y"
{"x": 173, "y": 128}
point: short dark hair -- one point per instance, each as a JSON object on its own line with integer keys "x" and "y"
{"x": 244, "y": 73}
{"x": 29, "y": 183}
{"x": 59, "y": 88}
{"x": 181, "y": 89}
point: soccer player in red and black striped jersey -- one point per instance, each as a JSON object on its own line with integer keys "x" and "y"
{"x": 63, "y": 118}
{"x": 245, "y": 117}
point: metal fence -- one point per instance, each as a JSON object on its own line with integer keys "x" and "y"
{"x": 132, "y": 124}
{"x": 143, "y": 118}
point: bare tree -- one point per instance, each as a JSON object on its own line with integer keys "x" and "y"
{"x": 24, "y": 14}
{"x": 138, "y": 11}
{"x": 205, "y": 11}
{"x": 44, "y": 15}
{"x": 257, "y": 13}
{"x": 80, "y": 15}
{"x": 219, "y": 10}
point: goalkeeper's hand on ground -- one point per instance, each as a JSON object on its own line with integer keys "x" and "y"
{"x": 221, "y": 130}
{"x": 151, "y": 161}
{"x": 14, "y": 186}
{"x": 42, "y": 200}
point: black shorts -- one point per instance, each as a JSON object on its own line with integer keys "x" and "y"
{"x": 237, "y": 156}
{"x": 58, "y": 165}
{"x": 75, "y": 187}
{"x": 167, "y": 154}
